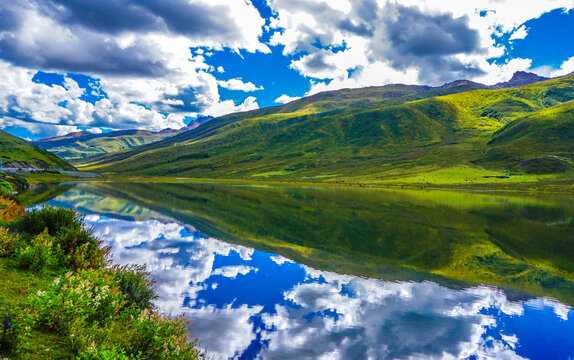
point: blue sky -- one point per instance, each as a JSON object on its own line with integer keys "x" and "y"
{"x": 111, "y": 64}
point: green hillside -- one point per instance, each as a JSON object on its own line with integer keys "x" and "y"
{"x": 394, "y": 134}
{"x": 84, "y": 144}
{"x": 16, "y": 152}
{"x": 548, "y": 132}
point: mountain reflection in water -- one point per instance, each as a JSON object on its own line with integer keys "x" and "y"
{"x": 247, "y": 303}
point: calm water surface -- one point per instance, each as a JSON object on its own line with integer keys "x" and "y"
{"x": 291, "y": 273}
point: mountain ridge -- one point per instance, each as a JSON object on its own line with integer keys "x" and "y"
{"x": 520, "y": 78}
{"x": 359, "y": 135}
{"x": 83, "y": 144}
{"x": 77, "y": 145}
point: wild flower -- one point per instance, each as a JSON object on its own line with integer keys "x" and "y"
{"x": 85, "y": 296}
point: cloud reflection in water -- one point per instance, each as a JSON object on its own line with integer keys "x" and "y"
{"x": 244, "y": 303}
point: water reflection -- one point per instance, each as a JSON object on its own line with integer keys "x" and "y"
{"x": 245, "y": 303}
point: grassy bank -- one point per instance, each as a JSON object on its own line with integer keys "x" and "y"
{"x": 454, "y": 179}
{"x": 62, "y": 298}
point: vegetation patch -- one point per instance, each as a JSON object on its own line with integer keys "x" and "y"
{"x": 60, "y": 297}
{"x": 272, "y": 173}
{"x": 506, "y": 108}
{"x": 543, "y": 166}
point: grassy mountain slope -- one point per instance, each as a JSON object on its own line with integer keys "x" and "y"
{"x": 85, "y": 144}
{"x": 16, "y": 152}
{"x": 326, "y": 103}
{"x": 363, "y": 135}
{"x": 549, "y": 132}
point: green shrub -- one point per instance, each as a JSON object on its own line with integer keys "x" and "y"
{"x": 157, "y": 337}
{"x": 55, "y": 220}
{"x": 76, "y": 241}
{"x": 135, "y": 283}
{"x": 40, "y": 254}
{"x": 6, "y": 187}
{"x": 113, "y": 353}
{"x": 94, "y": 341}
{"x": 8, "y": 242}
{"x": 88, "y": 296}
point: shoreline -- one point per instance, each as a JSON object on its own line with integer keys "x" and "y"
{"x": 534, "y": 187}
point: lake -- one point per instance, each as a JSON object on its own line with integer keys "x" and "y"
{"x": 277, "y": 272}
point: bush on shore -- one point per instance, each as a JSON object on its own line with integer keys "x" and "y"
{"x": 72, "y": 239}
{"x": 99, "y": 311}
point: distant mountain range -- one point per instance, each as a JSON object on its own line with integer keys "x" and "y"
{"x": 83, "y": 144}
{"x": 458, "y": 132}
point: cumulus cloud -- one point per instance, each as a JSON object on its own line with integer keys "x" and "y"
{"x": 519, "y": 34}
{"x": 58, "y": 109}
{"x": 402, "y": 36}
{"x": 228, "y": 107}
{"x": 232, "y": 271}
{"x": 109, "y": 36}
{"x": 435, "y": 41}
{"x": 566, "y": 68}
{"x": 138, "y": 50}
{"x": 239, "y": 85}
{"x": 284, "y": 99}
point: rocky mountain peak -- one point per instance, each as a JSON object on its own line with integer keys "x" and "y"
{"x": 520, "y": 78}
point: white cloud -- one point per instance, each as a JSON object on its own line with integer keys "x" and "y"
{"x": 284, "y": 99}
{"x": 224, "y": 332}
{"x": 146, "y": 69}
{"x": 519, "y": 34}
{"x": 566, "y": 68}
{"x": 238, "y": 84}
{"x": 280, "y": 260}
{"x": 361, "y": 27}
{"x": 375, "y": 74}
{"x": 503, "y": 72}
{"x": 228, "y": 107}
{"x": 232, "y": 271}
